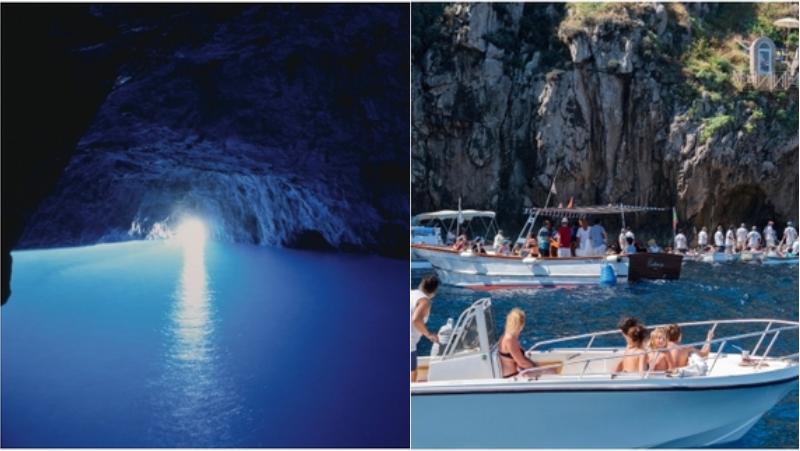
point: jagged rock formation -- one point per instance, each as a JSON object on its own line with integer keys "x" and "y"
{"x": 277, "y": 124}
{"x": 491, "y": 121}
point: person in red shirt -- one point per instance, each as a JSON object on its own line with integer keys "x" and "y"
{"x": 564, "y": 238}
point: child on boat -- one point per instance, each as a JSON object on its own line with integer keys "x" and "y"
{"x": 659, "y": 361}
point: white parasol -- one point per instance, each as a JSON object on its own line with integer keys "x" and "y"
{"x": 787, "y": 22}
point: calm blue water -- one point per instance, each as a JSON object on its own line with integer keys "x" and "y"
{"x": 742, "y": 290}
{"x": 147, "y": 344}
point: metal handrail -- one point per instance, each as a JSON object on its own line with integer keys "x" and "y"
{"x": 790, "y": 325}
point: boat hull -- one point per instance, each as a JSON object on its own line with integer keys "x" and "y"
{"x": 495, "y": 272}
{"x": 780, "y": 261}
{"x": 655, "y": 266}
{"x": 602, "y": 415}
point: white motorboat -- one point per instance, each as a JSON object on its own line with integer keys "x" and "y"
{"x": 463, "y": 402}
{"x": 486, "y": 272}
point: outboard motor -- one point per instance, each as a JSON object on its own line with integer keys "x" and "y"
{"x": 445, "y": 332}
{"x": 607, "y": 276}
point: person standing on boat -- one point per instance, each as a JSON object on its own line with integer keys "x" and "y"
{"x": 584, "y": 240}
{"x": 789, "y": 234}
{"x": 564, "y": 238}
{"x": 754, "y": 239}
{"x": 741, "y": 238}
{"x": 420, "y": 311}
{"x": 730, "y": 239}
{"x": 680, "y": 243}
{"x": 702, "y": 239}
{"x": 498, "y": 241}
{"x": 719, "y": 240}
{"x": 597, "y": 238}
{"x": 543, "y": 239}
{"x": 769, "y": 234}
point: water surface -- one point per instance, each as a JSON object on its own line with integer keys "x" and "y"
{"x": 155, "y": 344}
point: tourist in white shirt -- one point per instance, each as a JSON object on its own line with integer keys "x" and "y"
{"x": 789, "y": 234}
{"x": 702, "y": 239}
{"x": 498, "y": 241}
{"x": 753, "y": 239}
{"x": 741, "y": 238}
{"x": 730, "y": 240}
{"x": 584, "y": 240}
{"x": 769, "y": 234}
{"x": 719, "y": 239}
{"x": 680, "y": 243}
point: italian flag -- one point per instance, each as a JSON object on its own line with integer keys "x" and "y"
{"x": 674, "y": 219}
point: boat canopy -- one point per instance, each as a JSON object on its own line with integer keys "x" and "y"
{"x": 452, "y": 214}
{"x": 577, "y": 212}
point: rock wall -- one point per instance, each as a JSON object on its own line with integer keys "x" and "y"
{"x": 492, "y": 124}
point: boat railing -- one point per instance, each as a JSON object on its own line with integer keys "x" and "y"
{"x": 769, "y": 331}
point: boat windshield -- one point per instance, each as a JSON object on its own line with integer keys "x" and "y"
{"x": 491, "y": 328}
{"x": 469, "y": 340}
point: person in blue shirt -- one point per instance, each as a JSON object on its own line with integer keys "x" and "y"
{"x": 543, "y": 238}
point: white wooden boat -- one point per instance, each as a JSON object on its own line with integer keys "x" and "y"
{"x": 427, "y": 228}
{"x": 462, "y": 402}
{"x": 486, "y": 272}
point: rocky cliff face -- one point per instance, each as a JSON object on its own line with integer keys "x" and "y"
{"x": 506, "y": 93}
{"x": 279, "y": 125}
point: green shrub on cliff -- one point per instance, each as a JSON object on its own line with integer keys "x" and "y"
{"x": 714, "y": 124}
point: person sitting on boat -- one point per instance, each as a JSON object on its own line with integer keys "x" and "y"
{"x": 597, "y": 238}
{"x": 462, "y": 244}
{"x": 584, "y": 240}
{"x": 635, "y": 337}
{"x": 680, "y": 356}
{"x": 517, "y": 249}
{"x": 530, "y": 244}
{"x": 659, "y": 361}
{"x": 505, "y": 247}
{"x": 542, "y": 239}
{"x": 789, "y": 234}
{"x": 719, "y": 240}
{"x": 702, "y": 239}
{"x": 498, "y": 241}
{"x": 478, "y": 248}
{"x": 615, "y": 249}
{"x": 510, "y": 351}
{"x": 421, "y": 302}
{"x": 741, "y": 238}
{"x": 753, "y": 239}
{"x": 652, "y": 246}
{"x": 630, "y": 248}
{"x": 730, "y": 240}
{"x": 769, "y": 234}
{"x": 564, "y": 238}
{"x": 680, "y": 243}
{"x": 774, "y": 252}
{"x": 625, "y": 324}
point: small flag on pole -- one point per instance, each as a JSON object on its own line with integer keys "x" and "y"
{"x": 674, "y": 219}
{"x": 553, "y": 188}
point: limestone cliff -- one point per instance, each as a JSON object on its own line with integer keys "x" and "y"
{"x": 502, "y": 94}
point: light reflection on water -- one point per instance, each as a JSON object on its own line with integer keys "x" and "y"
{"x": 193, "y": 400}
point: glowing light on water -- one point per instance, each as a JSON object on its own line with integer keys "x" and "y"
{"x": 191, "y": 231}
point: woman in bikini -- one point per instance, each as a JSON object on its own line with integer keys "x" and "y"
{"x": 635, "y": 338}
{"x": 512, "y": 355}
{"x": 659, "y": 361}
